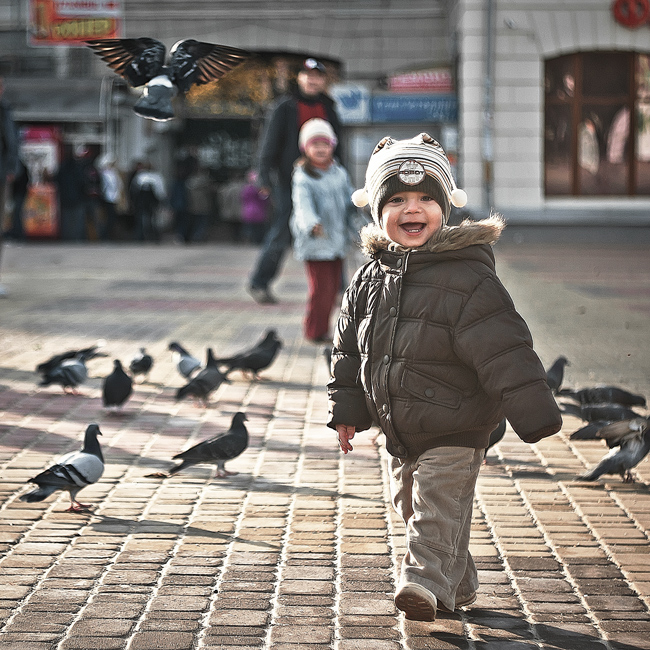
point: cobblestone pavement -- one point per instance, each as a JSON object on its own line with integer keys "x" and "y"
{"x": 299, "y": 549}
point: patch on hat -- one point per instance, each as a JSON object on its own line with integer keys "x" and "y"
{"x": 411, "y": 172}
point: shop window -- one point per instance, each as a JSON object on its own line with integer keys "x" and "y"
{"x": 597, "y": 124}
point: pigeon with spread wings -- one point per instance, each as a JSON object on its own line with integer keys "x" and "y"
{"x": 143, "y": 62}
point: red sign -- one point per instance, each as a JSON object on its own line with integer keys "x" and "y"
{"x": 631, "y": 13}
{"x": 438, "y": 80}
{"x": 71, "y": 22}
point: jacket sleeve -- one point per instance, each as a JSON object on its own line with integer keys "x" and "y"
{"x": 305, "y": 215}
{"x": 347, "y": 401}
{"x": 272, "y": 140}
{"x": 493, "y": 338}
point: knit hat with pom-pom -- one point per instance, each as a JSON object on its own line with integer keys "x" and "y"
{"x": 416, "y": 165}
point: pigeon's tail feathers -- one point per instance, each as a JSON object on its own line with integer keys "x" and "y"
{"x": 590, "y": 431}
{"x": 184, "y": 391}
{"x": 179, "y": 468}
{"x": 155, "y": 102}
{"x": 39, "y": 494}
{"x": 591, "y": 475}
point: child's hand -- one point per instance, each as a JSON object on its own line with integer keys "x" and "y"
{"x": 345, "y": 434}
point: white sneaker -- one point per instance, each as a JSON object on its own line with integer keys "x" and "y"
{"x": 417, "y": 602}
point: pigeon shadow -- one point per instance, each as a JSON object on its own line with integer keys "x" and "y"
{"x": 109, "y": 523}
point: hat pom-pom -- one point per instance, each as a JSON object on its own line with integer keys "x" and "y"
{"x": 458, "y": 198}
{"x": 360, "y": 198}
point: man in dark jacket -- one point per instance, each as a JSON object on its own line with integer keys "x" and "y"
{"x": 279, "y": 150}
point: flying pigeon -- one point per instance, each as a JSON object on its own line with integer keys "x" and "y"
{"x": 604, "y": 394}
{"x": 73, "y": 472}
{"x": 185, "y": 362}
{"x": 88, "y": 353}
{"x": 143, "y": 62}
{"x": 70, "y": 372}
{"x": 141, "y": 364}
{"x": 117, "y": 387}
{"x": 217, "y": 450}
{"x": 593, "y": 412}
{"x": 200, "y": 386}
{"x": 555, "y": 374}
{"x": 629, "y": 441}
{"x": 255, "y": 359}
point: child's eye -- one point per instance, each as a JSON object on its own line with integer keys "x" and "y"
{"x": 395, "y": 199}
{"x": 426, "y": 197}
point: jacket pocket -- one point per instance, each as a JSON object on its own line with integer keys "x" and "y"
{"x": 429, "y": 389}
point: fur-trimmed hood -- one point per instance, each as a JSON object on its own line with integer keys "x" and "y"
{"x": 448, "y": 238}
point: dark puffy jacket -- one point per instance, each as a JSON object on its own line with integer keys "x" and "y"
{"x": 429, "y": 347}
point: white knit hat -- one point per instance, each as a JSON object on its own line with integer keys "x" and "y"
{"x": 316, "y": 128}
{"x": 419, "y": 164}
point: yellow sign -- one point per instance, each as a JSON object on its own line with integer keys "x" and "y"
{"x": 53, "y": 22}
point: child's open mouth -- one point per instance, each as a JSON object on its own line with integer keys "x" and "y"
{"x": 412, "y": 228}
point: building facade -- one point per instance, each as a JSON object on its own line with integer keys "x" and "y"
{"x": 543, "y": 108}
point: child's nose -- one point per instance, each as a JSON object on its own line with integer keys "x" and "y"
{"x": 412, "y": 205}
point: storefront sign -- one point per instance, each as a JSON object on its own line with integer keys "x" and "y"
{"x": 71, "y": 22}
{"x": 437, "y": 80}
{"x": 414, "y": 108}
{"x": 631, "y": 13}
{"x": 39, "y": 151}
{"x": 352, "y": 103}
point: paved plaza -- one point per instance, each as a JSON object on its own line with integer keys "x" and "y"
{"x": 298, "y": 550}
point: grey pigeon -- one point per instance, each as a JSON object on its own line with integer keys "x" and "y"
{"x": 593, "y": 412}
{"x": 255, "y": 359}
{"x": 117, "y": 387}
{"x": 72, "y": 472}
{"x": 69, "y": 373}
{"x": 216, "y": 451}
{"x": 185, "y": 362}
{"x": 629, "y": 441}
{"x": 142, "y": 62}
{"x": 88, "y": 353}
{"x": 604, "y": 394}
{"x": 200, "y": 387}
{"x": 555, "y": 374}
{"x": 141, "y": 364}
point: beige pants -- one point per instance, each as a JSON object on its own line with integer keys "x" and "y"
{"x": 434, "y": 494}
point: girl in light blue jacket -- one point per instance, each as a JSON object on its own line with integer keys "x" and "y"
{"x": 322, "y": 223}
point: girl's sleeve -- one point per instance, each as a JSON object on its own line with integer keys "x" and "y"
{"x": 305, "y": 214}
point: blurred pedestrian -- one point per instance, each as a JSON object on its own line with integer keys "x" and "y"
{"x": 199, "y": 205}
{"x": 279, "y": 150}
{"x": 92, "y": 191}
{"x": 8, "y": 161}
{"x": 71, "y": 189}
{"x": 148, "y": 194}
{"x": 19, "y": 189}
{"x": 112, "y": 189}
{"x": 254, "y": 209}
{"x": 321, "y": 223}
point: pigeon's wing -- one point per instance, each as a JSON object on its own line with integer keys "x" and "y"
{"x": 590, "y": 431}
{"x": 613, "y": 433}
{"x": 138, "y": 60}
{"x": 194, "y": 62}
{"x": 74, "y": 469}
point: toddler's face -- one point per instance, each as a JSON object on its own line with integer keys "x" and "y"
{"x": 319, "y": 151}
{"x": 411, "y": 218}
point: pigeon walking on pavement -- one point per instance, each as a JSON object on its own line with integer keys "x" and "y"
{"x": 141, "y": 364}
{"x": 594, "y": 412}
{"x": 629, "y": 441}
{"x": 72, "y": 472}
{"x": 70, "y": 372}
{"x": 89, "y": 353}
{"x": 185, "y": 362}
{"x": 217, "y": 450}
{"x": 208, "y": 380}
{"x": 555, "y": 374}
{"x": 255, "y": 359}
{"x": 117, "y": 387}
{"x": 603, "y": 394}
{"x": 143, "y": 62}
